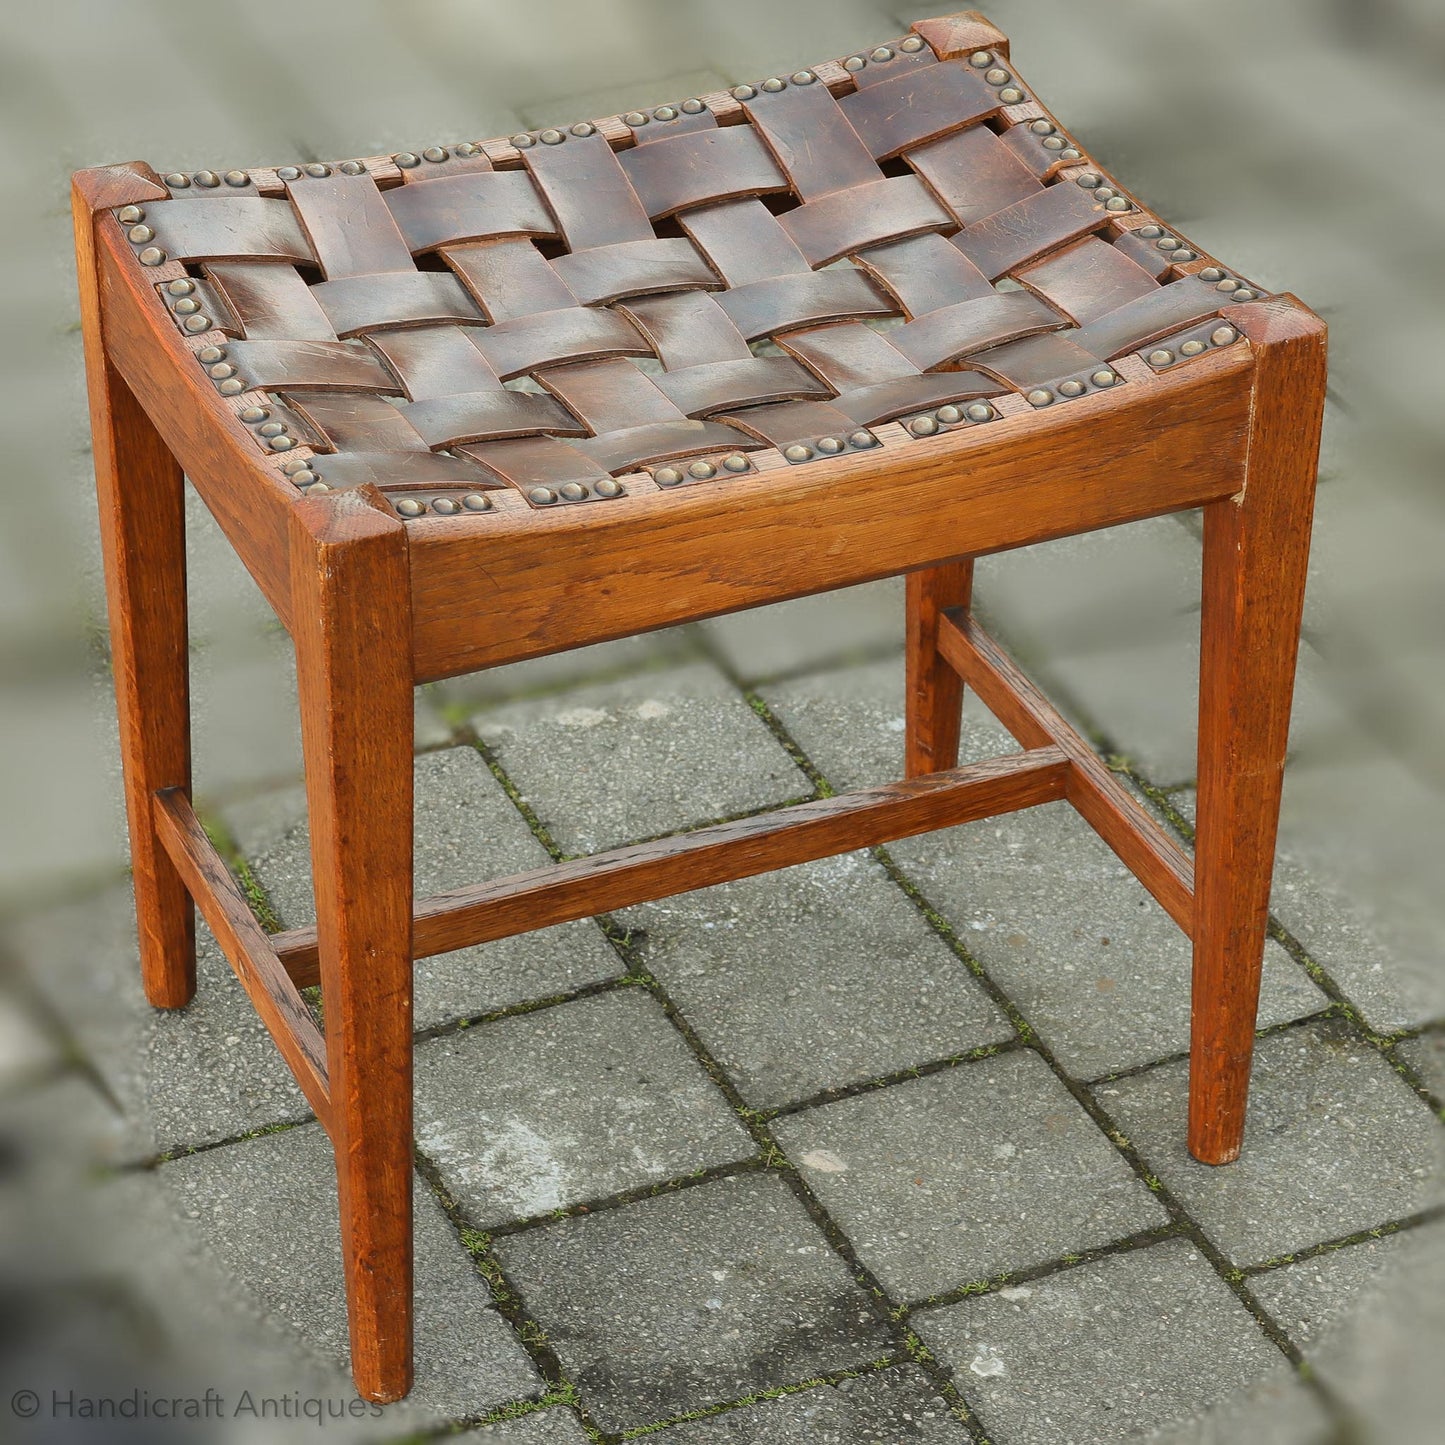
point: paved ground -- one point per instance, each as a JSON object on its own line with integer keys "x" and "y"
{"x": 885, "y": 1148}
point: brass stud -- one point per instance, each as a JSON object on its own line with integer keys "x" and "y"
{"x": 304, "y": 478}
{"x": 129, "y": 215}
{"x": 979, "y": 411}
{"x": 445, "y": 506}
{"x": 744, "y": 92}
{"x": 608, "y": 487}
{"x": 180, "y": 288}
{"x": 949, "y": 414}
{"x": 1071, "y": 388}
{"x": 981, "y": 58}
{"x": 542, "y": 496}
{"x": 178, "y": 180}
{"x": 1011, "y": 95}
{"x": 772, "y": 85}
{"x": 1039, "y": 397}
{"x": 573, "y": 491}
{"x": 997, "y": 76}
{"x": 477, "y": 502}
{"x": 1192, "y": 347}
{"x": 351, "y": 168}
{"x": 1167, "y": 243}
{"x": 1103, "y": 378}
{"x": 1224, "y": 335}
{"x": 702, "y": 471}
{"x": 410, "y": 507}
{"x": 735, "y": 462}
{"x": 197, "y": 323}
{"x": 693, "y": 107}
{"x": 1054, "y": 142}
{"x": 1160, "y": 357}
{"x": 237, "y": 178}
{"x": 207, "y": 178}
{"x": 667, "y": 476}
{"x": 913, "y": 44}
{"x": 551, "y": 136}
{"x": 1041, "y": 127}
{"x": 407, "y": 159}
{"x": 186, "y": 306}
{"x": 272, "y": 429}
{"x": 207, "y": 354}
{"x": 1089, "y": 180}
{"x": 467, "y": 148}
{"x": 1103, "y": 193}
{"x": 294, "y": 465}
{"x": 1117, "y": 203}
{"x": 231, "y": 386}
{"x": 830, "y": 446}
{"x": 317, "y": 170}
{"x": 435, "y": 154}
{"x": 1228, "y": 284}
{"x": 923, "y": 426}
{"x": 636, "y": 118}
{"x": 1211, "y": 273}
{"x": 1070, "y": 154}
{"x": 881, "y": 53}
{"x": 278, "y": 444}
{"x": 798, "y": 452}
{"x": 665, "y": 112}
{"x": 220, "y": 371}
{"x": 1184, "y": 256}
{"x": 1149, "y": 232}
{"x": 316, "y": 487}
{"x": 583, "y": 128}
{"x": 288, "y": 173}
{"x": 152, "y": 256}
{"x": 854, "y": 63}
{"x": 252, "y": 414}
{"x": 803, "y": 77}
{"x": 523, "y": 141}
{"x": 862, "y": 439}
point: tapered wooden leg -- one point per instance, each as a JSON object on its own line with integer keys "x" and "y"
{"x": 139, "y": 488}
{"x": 352, "y": 633}
{"x": 935, "y": 690}
{"x": 1256, "y": 546}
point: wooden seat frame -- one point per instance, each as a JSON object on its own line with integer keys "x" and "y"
{"x": 375, "y": 607}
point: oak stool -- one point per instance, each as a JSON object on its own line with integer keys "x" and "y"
{"x": 497, "y": 399}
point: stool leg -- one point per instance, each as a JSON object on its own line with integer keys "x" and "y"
{"x": 353, "y": 654}
{"x": 142, "y": 531}
{"x": 1256, "y": 547}
{"x": 935, "y": 690}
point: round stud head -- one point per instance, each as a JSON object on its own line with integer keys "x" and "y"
{"x": 981, "y": 59}
{"x": 252, "y": 414}
{"x": 1103, "y": 378}
{"x": 862, "y": 439}
{"x": 923, "y": 426}
{"x": 997, "y": 76}
{"x": 279, "y": 444}
{"x": 1103, "y": 193}
{"x": 608, "y": 487}
{"x": 197, "y": 324}
{"x": 1040, "y": 397}
{"x": 466, "y": 149}
{"x": 636, "y": 118}
{"x": 178, "y": 180}
{"x": 237, "y": 178}
{"x": 1224, "y": 335}
{"x": 1070, "y": 154}
{"x": 232, "y": 386}
{"x": 803, "y": 77}
{"x": 583, "y": 128}
{"x": 293, "y": 465}
{"x": 522, "y": 141}
{"x": 1211, "y": 273}
{"x": 1228, "y": 284}
{"x": 186, "y": 306}
{"x": 445, "y": 506}
{"x": 1243, "y": 294}
{"x": 1041, "y": 127}
{"x": 207, "y": 354}
{"x": 1071, "y": 388}
{"x": 573, "y": 491}
{"x": 881, "y": 53}
{"x": 272, "y": 429}
{"x": 949, "y": 414}
{"x": 797, "y": 452}
{"x": 129, "y": 215}
{"x": 542, "y": 496}
{"x": 409, "y": 507}
{"x": 351, "y": 168}
{"x": 854, "y": 62}
{"x": 772, "y": 85}
{"x": 1011, "y": 95}
{"x": 1183, "y": 255}
{"x": 304, "y": 478}
{"x": 702, "y": 470}
{"x": 477, "y": 502}
{"x": 1167, "y": 243}
{"x": 913, "y": 44}
{"x": 220, "y": 371}
{"x": 551, "y": 136}
{"x": 1053, "y": 142}
{"x": 979, "y": 411}
{"x": 735, "y": 462}
{"x": 1088, "y": 180}
{"x": 317, "y": 170}
{"x": 693, "y": 106}
{"x": 152, "y": 256}
{"x": 1149, "y": 233}
{"x": 288, "y": 173}
{"x": 207, "y": 178}
{"x": 435, "y": 154}
{"x": 1192, "y": 347}
{"x": 830, "y": 446}
{"x": 1161, "y": 357}
{"x": 665, "y": 112}
{"x": 1117, "y": 203}
{"x": 667, "y": 476}
{"x": 180, "y": 288}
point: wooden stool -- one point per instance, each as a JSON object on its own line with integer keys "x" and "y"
{"x": 509, "y": 397}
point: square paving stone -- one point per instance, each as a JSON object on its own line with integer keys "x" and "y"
{"x": 541, "y": 1427}
{"x": 960, "y": 1175}
{"x": 692, "y": 1298}
{"x": 813, "y": 977}
{"x": 888, "y": 1407}
{"x": 181, "y": 1077}
{"x": 619, "y": 761}
{"x": 1335, "y": 1142}
{"x": 267, "y": 1208}
{"x": 1073, "y": 938}
{"x": 576, "y": 1102}
{"x": 1116, "y": 1349}
{"x": 466, "y": 830}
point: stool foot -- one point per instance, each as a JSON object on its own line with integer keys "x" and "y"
{"x": 934, "y": 690}
{"x": 1256, "y": 547}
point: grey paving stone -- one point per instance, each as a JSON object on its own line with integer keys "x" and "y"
{"x": 1426, "y": 1055}
{"x": 619, "y": 761}
{"x": 267, "y": 1208}
{"x": 28, "y": 1049}
{"x": 883, "y": 1408}
{"x": 811, "y": 632}
{"x": 542, "y": 1110}
{"x": 1335, "y": 1142}
{"x": 183, "y": 1077}
{"x": 542, "y": 1427}
{"x": 1096, "y": 966}
{"x": 466, "y": 830}
{"x": 952, "y": 1178}
{"x": 814, "y": 977}
{"x": 692, "y": 1298}
{"x": 1116, "y": 1349}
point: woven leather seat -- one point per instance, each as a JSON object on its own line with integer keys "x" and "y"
{"x": 504, "y": 398}
{"x": 723, "y": 285}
